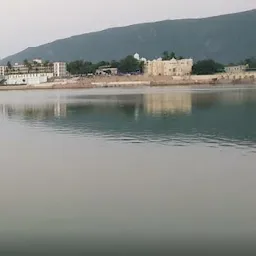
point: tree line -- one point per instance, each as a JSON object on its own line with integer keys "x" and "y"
{"x": 207, "y": 67}
{"x": 131, "y": 65}
{"x": 126, "y": 65}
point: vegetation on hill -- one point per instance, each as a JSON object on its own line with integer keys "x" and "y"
{"x": 226, "y": 38}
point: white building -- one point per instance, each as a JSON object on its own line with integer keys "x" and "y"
{"x": 27, "y": 79}
{"x": 2, "y": 70}
{"x": 60, "y": 69}
{"x": 171, "y": 67}
{"x": 236, "y": 69}
{"x": 35, "y": 72}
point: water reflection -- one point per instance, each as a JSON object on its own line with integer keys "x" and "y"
{"x": 35, "y": 111}
{"x": 66, "y": 189}
{"x": 180, "y": 117}
{"x": 158, "y": 104}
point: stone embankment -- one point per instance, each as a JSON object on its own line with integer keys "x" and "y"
{"x": 141, "y": 80}
{"x": 210, "y": 80}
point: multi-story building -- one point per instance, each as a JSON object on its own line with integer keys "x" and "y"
{"x": 60, "y": 69}
{"x": 34, "y": 72}
{"x": 171, "y": 67}
{"x": 28, "y": 69}
{"x": 2, "y": 70}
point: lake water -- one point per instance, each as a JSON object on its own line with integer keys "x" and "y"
{"x": 128, "y": 172}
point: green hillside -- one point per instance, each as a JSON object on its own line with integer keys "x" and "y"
{"x": 226, "y": 38}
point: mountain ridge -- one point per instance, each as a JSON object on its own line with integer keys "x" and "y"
{"x": 199, "y": 38}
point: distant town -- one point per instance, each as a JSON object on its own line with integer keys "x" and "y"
{"x": 38, "y": 71}
{"x": 31, "y": 72}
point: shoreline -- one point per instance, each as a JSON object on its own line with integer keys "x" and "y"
{"x": 208, "y": 81}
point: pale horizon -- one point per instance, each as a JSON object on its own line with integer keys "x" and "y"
{"x": 38, "y": 24}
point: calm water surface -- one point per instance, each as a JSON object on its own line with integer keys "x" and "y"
{"x": 128, "y": 172}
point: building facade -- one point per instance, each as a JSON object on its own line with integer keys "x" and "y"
{"x": 236, "y": 69}
{"x": 27, "y": 79}
{"x": 34, "y": 72}
{"x": 60, "y": 69}
{"x": 2, "y": 70}
{"x": 171, "y": 67}
{"x": 35, "y": 66}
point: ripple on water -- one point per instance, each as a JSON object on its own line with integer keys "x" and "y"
{"x": 174, "y": 139}
{"x": 175, "y": 118}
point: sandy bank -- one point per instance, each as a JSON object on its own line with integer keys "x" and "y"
{"x": 141, "y": 81}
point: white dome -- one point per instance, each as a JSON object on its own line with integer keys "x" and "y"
{"x": 136, "y": 56}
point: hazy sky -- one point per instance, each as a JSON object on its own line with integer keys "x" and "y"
{"x": 27, "y": 23}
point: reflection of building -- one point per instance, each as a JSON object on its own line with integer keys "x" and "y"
{"x": 236, "y": 69}
{"x": 168, "y": 103}
{"x": 60, "y": 110}
{"x": 171, "y": 67}
{"x": 115, "y": 115}
{"x": 38, "y": 112}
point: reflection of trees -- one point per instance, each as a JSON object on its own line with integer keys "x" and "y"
{"x": 33, "y": 113}
{"x": 239, "y": 96}
{"x": 107, "y": 104}
{"x": 127, "y": 109}
{"x": 164, "y": 104}
{"x": 204, "y": 100}
{"x": 207, "y": 100}
{"x": 133, "y": 117}
{"x": 80, "y": 109}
